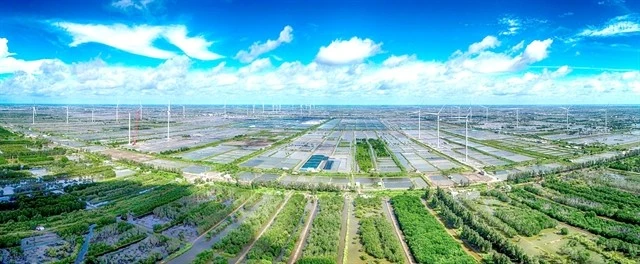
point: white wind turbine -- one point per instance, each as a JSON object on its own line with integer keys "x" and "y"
{"x": 486, "y": 113}
{"x": 517, "y": 116}
{"x": 452, "y": 112}
{"x": 419, "y": 125}
{"x": 567, "y": 120}
{"x": 129, "y": 128}
{"x": 437, "y": 125}
{"x": 117, "y": 110}
{"x": 466, "y": 134}
{"x": 168, "y": 119}
{"x": 605, "y": 119}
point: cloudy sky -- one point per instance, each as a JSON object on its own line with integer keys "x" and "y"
{"x": 320, "y": 51}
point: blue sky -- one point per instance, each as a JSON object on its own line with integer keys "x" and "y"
{"x": 321, "y": 52}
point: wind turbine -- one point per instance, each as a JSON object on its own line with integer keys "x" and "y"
{"x": 129, "y": 128}
{"x": 438, "y": 125}
{"x": 466, "y": 134}
{"x": 33, "y": 118}
{"x": 419, "y": 127}
{"x": 117, "y": 108}
{"x": 67, "y": 114}
{"x": 567, "y": 120}
{"x": 486, "y": 113}
{"x": 92, "y": 114}
{"x": 605, "y": 119}
{"x": 183, "y": 112}
{"x": 517, "y": 117}
{"x": 168, "y": 119}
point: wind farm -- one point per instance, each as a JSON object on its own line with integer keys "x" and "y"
{"x": 320, "y": 132}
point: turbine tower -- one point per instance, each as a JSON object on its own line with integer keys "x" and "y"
{"x": 129, "y": 128}
{"x": 117, "y": 108}
{"x": 438, "y": 125}
{"x": 466, "y": 138}
{"x": 92, "y": 115}
{"x": 183, "y": 112}
{"x": 466, "y": 135}
{"x": 67, "y": 114}
{"x": 605, "y": 120}
{"x": 33, "y": 118}
{"x": 486, "y": 114}
{"x": 567, "y": 120}
{"x": 168, "y": 118}
{"x": 517, "y": 117}
{"x": 419, "y": 128}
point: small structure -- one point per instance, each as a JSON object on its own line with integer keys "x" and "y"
{"x": 39, "y": 228}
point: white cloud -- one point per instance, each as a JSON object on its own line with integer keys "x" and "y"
{"x": 517, "y": 47}
{"x": 635, "y": 86}
{"x": 129, "y": 4}
{"x": 258, "y": 48}
{"x": 621, "y": 25}
{"x": 488, "y": 42}
{"x": 394, "y": 60}
{"x": 566, "y": 14}
{"x": 4, "y": 48}
{"x": 343, "y": 52}
{"x": 194, "y": 47}
{"x": 537, "y": 50}
{"x": 8, "y": 64}
{"x": 400, "y": 78}
{"x": 139, "y": 39}
{"x": 478, "y": 59}
{"x": 512, "y": 25}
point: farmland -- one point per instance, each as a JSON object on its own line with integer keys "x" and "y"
{"x": 373, "y": 191}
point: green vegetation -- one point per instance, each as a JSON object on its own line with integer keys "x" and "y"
{"x": 574, "y": 253}
{"x": 322, "y": 242}
{"x": 427, "y": 239}
{"x": 376, "y": 233}
{"x": 38, "y": 205}
{"x": 209, "y": 257}
{"x": 527, "y": 222}
{"x": 472, "y": 237}
{"x": 588, "y": 221}
{"x": 499, "y": 242}
{"x": 379, "y": 147}
{"x": 602, "y": 200}
{"x": 199, "y": 210}
{"x": 281, "y": 236}
{"x": 491, "y": 220}
{"x": 363, "y": 156}
{"x": 233, "y": 242}
{"x": 628, "y": 164}
{"x": 125, "y": 234}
